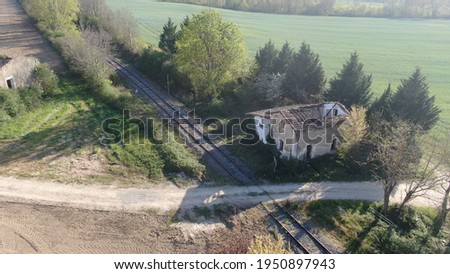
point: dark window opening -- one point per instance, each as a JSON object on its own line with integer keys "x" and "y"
{"x": 261, "y": 126}
{"x": 281, "y": 145}
{"x": 10, "y": 83}
{"x": 282, "y": 126}
{"x": 336, "y": 112}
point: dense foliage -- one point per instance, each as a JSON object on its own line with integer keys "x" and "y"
{"x": 351, "y": 86}
{"x": 210, "y": 53}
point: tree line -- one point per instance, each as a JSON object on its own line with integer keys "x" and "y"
{"x": 376, "y": 8}
{"x": 85, "y": 32}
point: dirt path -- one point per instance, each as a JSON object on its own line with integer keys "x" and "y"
{"x": 18, "y": 36}
{"x": 168, "y": 197}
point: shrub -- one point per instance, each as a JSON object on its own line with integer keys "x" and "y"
{"x": 151, "y": 62}
{"x": 177, "y": 158}
{"x": 10, "y": 102}
{"x": 268, "y": 245}
{"x": 31, "y": 96}
{"x": 46, "y": 79}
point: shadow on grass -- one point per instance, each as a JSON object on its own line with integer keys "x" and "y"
{"x": 76, "y": 126}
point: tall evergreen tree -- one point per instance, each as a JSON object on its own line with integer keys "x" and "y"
{"x": 305, "y": 77}
{"x": 185, "y": 22}
{"x": 266, "y": 58}
{"x": 351, "y": 86}
{"x": 380, "y": 108}
{"x": 169, "y": 37}
{"x": 285, "y": 57}
{"x": 412, "y": 102}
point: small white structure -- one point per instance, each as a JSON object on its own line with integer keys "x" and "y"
{"x": 302, "y": 131}
{"x": 17, "y": 72}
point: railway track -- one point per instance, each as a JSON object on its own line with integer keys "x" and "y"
{"x": 218, "y": 157}
{"x": 301, "y": 238}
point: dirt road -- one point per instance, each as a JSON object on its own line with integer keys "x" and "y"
{"x": 18, "y": 36}
{"x": 168, "y": 197}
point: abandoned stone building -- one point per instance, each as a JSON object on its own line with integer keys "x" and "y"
{"x": 16, "y": 72}
{"x": 302, "y": 131}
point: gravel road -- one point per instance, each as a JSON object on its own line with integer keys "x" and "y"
{"x": 167, "y": 197}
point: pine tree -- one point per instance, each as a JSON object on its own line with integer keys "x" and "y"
{"x": 351, "y": 86}
{"x": 266, "y": 58}
{"x": 169, "y": 37}
{"x": 285, "y": 57}
{"x": 305, "y": 77}
{"x": 413, "y": 103}
{"x": 380, "y": 108}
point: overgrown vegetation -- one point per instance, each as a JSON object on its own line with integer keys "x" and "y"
{"x": 85, "y": 38}
{"x": 14, "y": 102}
{"x": 268, "y": 245}
{"x": 380, "y": 8}
{"x": 353, "y": 224}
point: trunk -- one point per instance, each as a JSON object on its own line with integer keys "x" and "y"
{"x": 405, "y": 200}
{"x": 387, "y": 195}
{"x": 442, "y": 215}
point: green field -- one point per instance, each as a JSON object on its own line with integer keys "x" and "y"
{"x": 389, "y": 48}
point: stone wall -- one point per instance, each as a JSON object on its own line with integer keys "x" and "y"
{"x": 20, "y": 69}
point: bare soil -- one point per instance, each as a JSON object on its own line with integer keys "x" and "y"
{"x": 26, "y": 228}
{"x": 18, "y": 36}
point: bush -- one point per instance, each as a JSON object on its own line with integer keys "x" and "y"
{"x": 31, "y": 96}
{"x": 151, "y": 62}
{"x": 46, "y": 79}
{"x": 10, "y": 102}
{"x": 177, "y": 158}
{"x": 268, "y": 245}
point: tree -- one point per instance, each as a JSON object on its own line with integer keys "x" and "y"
{"x": 56, "y": 17}
{"x": 444, "y": 207}
{"x": 266, "y": 58}
{"x": 268, "y": 88}
{"x": 355, "y": 148}
{"x": 380, "y": 108}
{"x": 351, "y": 86}
{"x": 426, "y": 177}
{"x": 395, "y": 152}
{"x": 93, "y": 14}
{"x": 413, "y": 103}
{"x": 123, "y": 28}
{"x": 305, "y": 77}
{"x": 169, "y": 37}
{"x": 86, "y": 54}
{"x": 210, "y": 53}
{"x": 285, "y": 57}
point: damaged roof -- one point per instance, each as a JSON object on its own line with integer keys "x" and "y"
{"x": 300, "y": 115}
{"x": 4, "y": 60}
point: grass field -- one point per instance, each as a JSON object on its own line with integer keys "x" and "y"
{"x": 60, "y": 139}
{"x": 389, "y": 48}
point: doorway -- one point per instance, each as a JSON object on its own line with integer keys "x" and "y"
{"x": 10, "y": 83}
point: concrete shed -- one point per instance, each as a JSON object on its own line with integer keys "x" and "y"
{"x": 17, "y": 72}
